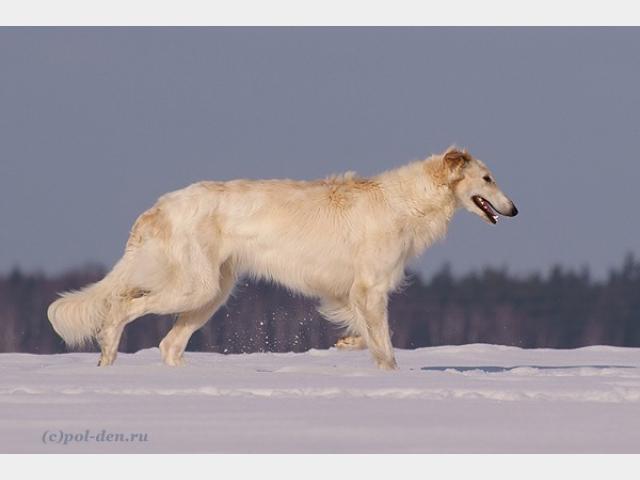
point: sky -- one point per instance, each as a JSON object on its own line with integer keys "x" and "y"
{"x": 96, "y": 123}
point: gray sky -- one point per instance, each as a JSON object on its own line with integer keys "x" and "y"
{"x": 95, "y": 124}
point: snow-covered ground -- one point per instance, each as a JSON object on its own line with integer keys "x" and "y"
{"x": 473, "y": 398}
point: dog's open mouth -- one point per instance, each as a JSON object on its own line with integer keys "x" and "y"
{"x": 486, "y": 208}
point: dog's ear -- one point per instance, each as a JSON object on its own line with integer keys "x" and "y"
{"x": 454, "y": 161}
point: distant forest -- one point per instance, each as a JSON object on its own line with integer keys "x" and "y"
{"x": 561, "y": 309}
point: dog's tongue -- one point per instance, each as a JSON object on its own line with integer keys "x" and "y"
{"x": 488, "y": 209}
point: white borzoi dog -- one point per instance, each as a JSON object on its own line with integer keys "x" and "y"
{"x": 344, "y": 240}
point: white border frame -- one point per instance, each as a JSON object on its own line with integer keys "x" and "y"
{"x": 319, "y": 12}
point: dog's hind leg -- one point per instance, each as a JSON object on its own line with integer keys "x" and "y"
{"x": 182, "y": 295}
{"x": 119, "y": 317}
{"x": 165, "y": 270}
{"x": 174, "y": 343}
{"x": 112, "y": 327}
{"x": 109, "y": 339}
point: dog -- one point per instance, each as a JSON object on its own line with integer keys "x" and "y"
{"x": 344, "y": 240}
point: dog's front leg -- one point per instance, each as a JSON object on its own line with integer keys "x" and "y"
{"x": 370, "y": 306}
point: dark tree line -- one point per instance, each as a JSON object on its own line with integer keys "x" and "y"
{"x": 563, "y": 309}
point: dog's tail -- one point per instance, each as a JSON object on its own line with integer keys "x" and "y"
{"x": 77, "y": 316}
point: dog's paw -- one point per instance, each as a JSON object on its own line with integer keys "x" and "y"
{"x": 106, "y": 360}
{"x": 174, "y": 361}
{"x": 387, "y": 364}
{"x": 351, "y": 343}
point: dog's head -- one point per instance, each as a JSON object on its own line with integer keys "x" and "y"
{"x": 475, "y": 187}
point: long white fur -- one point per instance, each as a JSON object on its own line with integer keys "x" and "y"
{"x": 344, "y": 240}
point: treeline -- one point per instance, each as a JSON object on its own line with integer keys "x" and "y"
{"x": 563, "y": 309}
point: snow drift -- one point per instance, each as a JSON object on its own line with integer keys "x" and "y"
{"x": 473, "y": 398}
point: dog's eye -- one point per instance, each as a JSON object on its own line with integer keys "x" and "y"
{"x": 487, "y": 179}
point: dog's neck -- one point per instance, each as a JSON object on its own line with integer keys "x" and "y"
{"x": 423, "y": 199}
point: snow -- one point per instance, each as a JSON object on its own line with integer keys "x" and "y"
{"x": 471, "y": 398}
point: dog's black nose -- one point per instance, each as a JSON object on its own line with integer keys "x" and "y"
{"x": 514, "y": 210}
